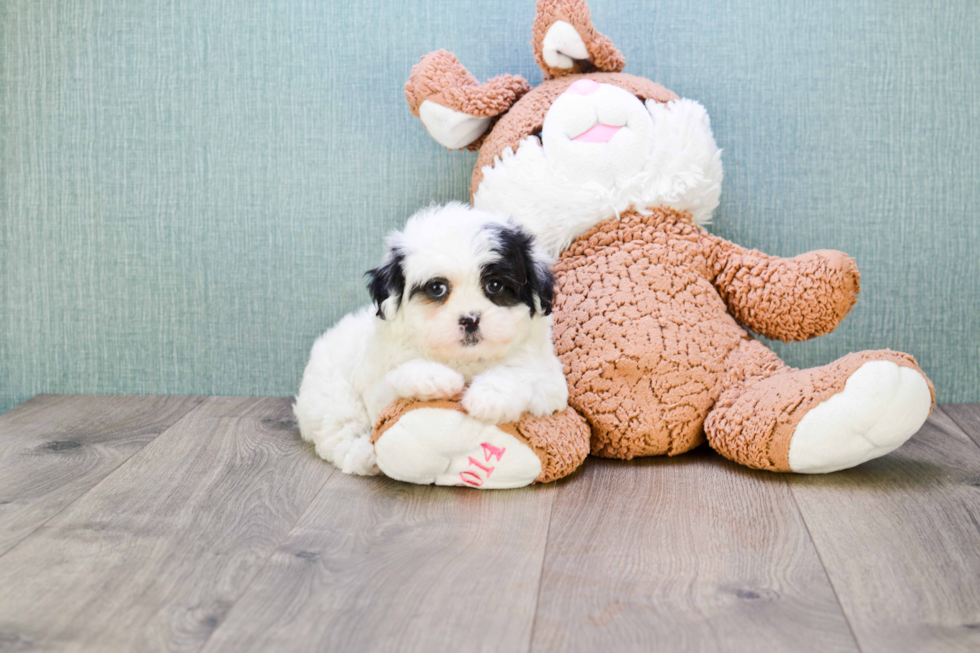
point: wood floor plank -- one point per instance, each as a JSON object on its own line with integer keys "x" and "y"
{"x": 967, "y": 417}
{"x": 684, "y": 554}
{"x": 900, "y": 539}
{"x": 154, "y": 556}
{"x": 54, "y": 448}
{"x": 377, "y": 565}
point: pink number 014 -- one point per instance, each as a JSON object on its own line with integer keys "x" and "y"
{"x": 473, "y": 476}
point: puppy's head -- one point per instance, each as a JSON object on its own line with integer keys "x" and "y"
{"x": 462, "y": 284}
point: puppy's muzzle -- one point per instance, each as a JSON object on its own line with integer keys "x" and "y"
{"x": 471, "y": 329}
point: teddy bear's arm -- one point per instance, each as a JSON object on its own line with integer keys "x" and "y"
{"x": 783, "y": 298}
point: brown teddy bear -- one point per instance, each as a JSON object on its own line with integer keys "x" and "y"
{"x": 616, "y": 174}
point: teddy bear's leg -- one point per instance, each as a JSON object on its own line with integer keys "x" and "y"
{"x": 817, "y": 420}
{"x": 436, "y": 442}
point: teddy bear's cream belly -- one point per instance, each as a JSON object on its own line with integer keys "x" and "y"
{"x": 644, "y": 338}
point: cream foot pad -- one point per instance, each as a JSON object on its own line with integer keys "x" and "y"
{"x": 437, "y": 443}
{"x": 881, "y": 406}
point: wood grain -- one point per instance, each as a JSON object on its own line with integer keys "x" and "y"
{"x": 967, "y": 417}
{"x": 900, "y": 539}
{"x": 686, "y": 554}
{"x": 225, "y": 533}
{"x": 54, "y": 448}
{"x": 154, "y": 556}
{"x": 377, "y": 565}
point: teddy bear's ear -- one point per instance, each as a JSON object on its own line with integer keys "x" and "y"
{"x": 566, "y": 42}
{"x": 453, "y": 106}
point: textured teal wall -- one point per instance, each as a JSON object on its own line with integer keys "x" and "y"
{"x": 191, "y": 190}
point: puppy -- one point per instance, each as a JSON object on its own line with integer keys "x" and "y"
{"x": 462, "y": 298}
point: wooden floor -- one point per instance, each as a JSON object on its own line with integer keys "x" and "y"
{"x": 204, "y": 524}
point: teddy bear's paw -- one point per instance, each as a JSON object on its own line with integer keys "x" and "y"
{"x": 447, "y": 447}
{"x": 881, "y": 406}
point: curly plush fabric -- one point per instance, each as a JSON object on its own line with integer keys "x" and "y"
{"x": 561, "y": 441}
{"x": 440, "y": 78}
{"x": 754, "y": 419}
{"x": 785, "y": 299}
{"x": 602, "y": 53}
{"x": 644, "y": 324}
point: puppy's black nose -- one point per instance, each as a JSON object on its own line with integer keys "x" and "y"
{"x": 470, "y": 323}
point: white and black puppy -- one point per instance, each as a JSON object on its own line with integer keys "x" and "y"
{"x": 462, "y": 297}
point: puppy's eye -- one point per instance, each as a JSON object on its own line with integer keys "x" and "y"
{"x": 493, "y": 287}
{"x": 437, "y": 289}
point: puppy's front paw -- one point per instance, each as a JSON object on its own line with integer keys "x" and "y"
{"x": 433, "y": 381}
{"x": 548, "y": 400}
{"x": 492, "y": 405}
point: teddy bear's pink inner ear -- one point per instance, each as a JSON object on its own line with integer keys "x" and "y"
{"x": 454, "y": 107}
{"x": 566, "y": 42}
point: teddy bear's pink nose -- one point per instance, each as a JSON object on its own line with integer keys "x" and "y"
{"x": 584, "y": 87}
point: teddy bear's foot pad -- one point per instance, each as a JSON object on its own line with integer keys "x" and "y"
{"x": 447, "y": 447}
{"x": 881, "y": 406}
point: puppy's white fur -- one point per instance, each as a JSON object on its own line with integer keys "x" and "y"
{"x": 416, "y": 346}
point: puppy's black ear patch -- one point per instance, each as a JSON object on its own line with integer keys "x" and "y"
{"x": 388, "y": 280}
{"x": 545, "y": 285}
{"x": 528, "y": 276}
